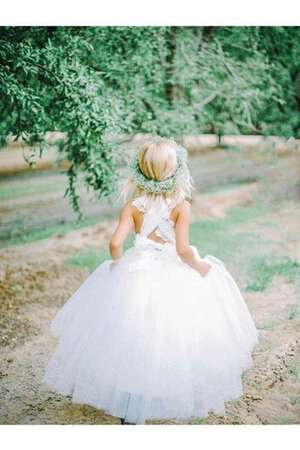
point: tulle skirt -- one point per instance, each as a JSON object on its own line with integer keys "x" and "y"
{"x": 151, "y": 339}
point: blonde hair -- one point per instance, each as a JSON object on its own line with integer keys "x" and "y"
{"x": 158, "y": 161}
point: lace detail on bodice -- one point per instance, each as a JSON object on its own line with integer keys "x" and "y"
{"x": 156, "y": 219}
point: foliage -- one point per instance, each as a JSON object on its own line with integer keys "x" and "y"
{"x": 96, "y": 84}
{"x": 281, "y": 44}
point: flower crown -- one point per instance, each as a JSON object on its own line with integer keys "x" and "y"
{"x": 152, "y": 186}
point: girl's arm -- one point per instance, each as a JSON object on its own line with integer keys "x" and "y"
{"x": 183, "y": 247}
{"x": 121, "y": 232}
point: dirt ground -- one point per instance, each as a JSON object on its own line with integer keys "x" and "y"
{"x": 35, "y": 281}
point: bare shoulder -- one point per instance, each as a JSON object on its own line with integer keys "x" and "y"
{"x": 132, "y": 205}
{"x": 182, "y": 209}
{"x": 127, "y": 208}
{"x": 129, "y": 203}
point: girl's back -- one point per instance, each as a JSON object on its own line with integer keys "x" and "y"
{"x": 157, "y": 224}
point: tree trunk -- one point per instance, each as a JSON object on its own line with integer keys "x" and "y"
{"x": 171, "y": 45}
{"x": 208, "y": 33}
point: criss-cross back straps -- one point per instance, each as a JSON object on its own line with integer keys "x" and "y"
{"x": 156, "y": 219}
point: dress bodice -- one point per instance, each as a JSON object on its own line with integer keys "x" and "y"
{"x": 156, "y": 219}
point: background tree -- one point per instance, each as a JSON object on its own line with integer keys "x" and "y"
{"x": 95, "y": 84}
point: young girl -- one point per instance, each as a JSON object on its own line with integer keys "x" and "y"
{"x": 158, "y": 332}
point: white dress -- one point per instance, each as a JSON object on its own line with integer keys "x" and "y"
{"x": 150, "y": 338}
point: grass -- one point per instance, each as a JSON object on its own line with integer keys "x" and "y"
{"x": 244, "y": 214}
{"x": 8, "y": 193}
{"x": 216, "y": 236}
{"x": 55, "y": 230}
{"x": 236, "y": 420}
{"x": 265, "y": 344}
{"x": 198, "y": 421}
{"x": 269, "y": 324}
{"x": 263, "y": 269}
{"x": 295, "y": 371}
{"x": 90, "y": 259}
{"x": 294, "y": 400}
{"x": 225, "y": 186}
{"x": 294, "y": 311}
{"x": 16, "y": 288}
